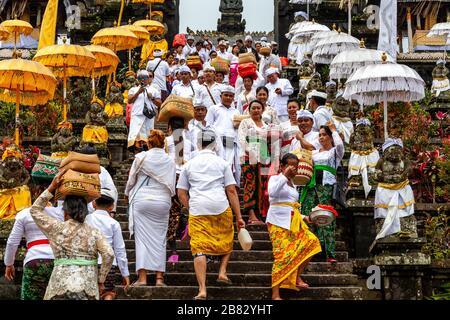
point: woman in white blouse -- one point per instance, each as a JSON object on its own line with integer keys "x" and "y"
{"x": 326, "y": 161}
{"x": 293, "y": 244}
{"x": 246, "y": 96}
{"x": 252, "y": 135}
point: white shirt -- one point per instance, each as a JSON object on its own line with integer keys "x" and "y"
{"x": 24, "y": 226}
{"x": 312, "y": 137}
{"x": 107, "y": 182}
{"x": 187, "y": 50}
{"x": 226, "y": 55}
{"x": 195, "y": 127}
{"x": 330, "y": 158}
{"x": 280, "y": 191}
{"x": 110, "y": 228}
{"x": 244, "y": 99}
{"x": 321, "y": 116}
{"x": 279, "y": 102}
{"x": 138, "y": 105}
{"x": 239, "y": 85}
{"x": 160, "y": 73}
{"x": 188, "y": 149}
{"x": 204, "y": 54}
{"x": 184, "y": 91}
{"x": 221, "y": 118}
{"x": 269, "y": 62}
{"x": 205, "y": 177}
{"x": 215, "y": 90}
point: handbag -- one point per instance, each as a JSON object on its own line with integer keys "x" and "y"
{"x": 149, "y": 112}
{"x": 46, "y": 168}
{"x": 338, "y": 198}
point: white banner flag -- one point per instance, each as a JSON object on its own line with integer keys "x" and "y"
{"x": 387, "y": 40}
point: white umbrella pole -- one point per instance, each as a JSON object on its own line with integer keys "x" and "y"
{"x": 350, "y": 17}
{"x": 385, "y": 116}
{"x": 307, "y": 8}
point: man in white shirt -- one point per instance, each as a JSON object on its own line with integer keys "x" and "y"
{"x": 211, "y": 90}
{"x": 185, "y": 89}
{"x": 321, "y": 113}
{"x": 279, "y": 92}
{"x": 189, "y": 48}
{"x": 269, "y": 60}
{"x": 139, "y": 96}
{"x": 199, "y": 124}
{"x": 307, "y": 138}
{"x": 161, "y": 71}
{"x": 38, "y": 262}
{"x": 110, "y": 228}
{"x": 226, "y": 55}
{"x": 220, "y": 117}
{"x": 248, "y": 47}
{"x": 207, "y": 189}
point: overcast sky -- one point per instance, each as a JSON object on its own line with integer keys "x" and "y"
{"x": 203, "y": 14}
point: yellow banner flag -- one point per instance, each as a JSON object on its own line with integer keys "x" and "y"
{"x": 48, "y": 26}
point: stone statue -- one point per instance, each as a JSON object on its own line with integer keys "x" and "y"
{"x": 96, "y": 116}
{"x": 394, "y": 198}
{"x": 315, "y": 83}
{"x": 63, "y": 141}
{"x": 12, "y": 171}
{"x": 341, "y": 117}
{"x": 114, "y": 107}
{"x": 231, "y": 6}
{"x": 441, "y": 84}
{"x": 363, "y": 157}
{"x": 331, "y": 90}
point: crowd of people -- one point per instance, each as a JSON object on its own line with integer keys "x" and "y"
{"x": 244, "y": 134}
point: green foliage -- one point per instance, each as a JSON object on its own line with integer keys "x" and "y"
{"x": 437, "y": 234}
{"x": 7, "y": 118}
{"x": 443, "y": 293}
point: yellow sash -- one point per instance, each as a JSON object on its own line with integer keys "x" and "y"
{"x": 296, "y": 221}
{"x": 342, "y": 119}
{"x": 394, "y": 186}
{"x": 363, "y": 153}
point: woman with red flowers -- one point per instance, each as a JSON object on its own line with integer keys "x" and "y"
{"x": 320, "y": 189}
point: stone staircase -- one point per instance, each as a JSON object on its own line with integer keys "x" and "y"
{"x": 249, "y": 271}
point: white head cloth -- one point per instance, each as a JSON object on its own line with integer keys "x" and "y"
{"x": 142, "y": 73}
{"x": 227, "y": 88}
{"x": 248, "y": 38}
{"x": 392, "y": 142}
{"x": 301, "y": 14}
{"x": 316, "y": 93}
{"x": 271, "y": 71}
{"x": 363, "y": 122}
{"x": 305, "y": 114}
{"x": 184, "y": 68}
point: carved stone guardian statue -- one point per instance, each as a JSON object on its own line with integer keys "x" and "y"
{"x": 394, "y": 198}
{"x": 63, "y": 141}
{"x": 341, "y": 117}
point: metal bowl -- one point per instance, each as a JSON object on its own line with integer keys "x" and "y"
{"x": 321, "y": 218}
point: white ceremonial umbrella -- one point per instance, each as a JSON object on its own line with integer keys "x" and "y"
{"x": 441, "y": 29}
{"x": 347, "y": 62}
{"x": 319, "y": 36}
{"x": 385, "y": 82}
{"x": 326, "y": 49}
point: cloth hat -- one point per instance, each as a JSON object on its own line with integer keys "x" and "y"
{"x": 392, "y": 142}
{"x": 201, "y": 73}
{"x": 271, "y": 71}
{"x": 107, "y": 193}
{"x": 227, "y": 88}
{"x": 330, "y": 83}
{"x": 273, "y": 43}
{"x": 222, "y": 43}
{"x": 248, "y": 38}
{"x": 305, "y": 114}
{"x": 301, "y": 14}
{"x": 184, "y": 68}
{"x": 207, "y": 135}
{"x": 142, "y": 73}
{"x": 264, "y": 39}
{"x": 157, "y": 53}
{"x": 363, "y": 122}
{"x": 317, "y": 94}
{"x": 198, "y": 102}
{"x": 205, "y": 43}
{"x": 440, "y": 61}
{"x": 208, "y": 67}
{"x": 190, "y": 37}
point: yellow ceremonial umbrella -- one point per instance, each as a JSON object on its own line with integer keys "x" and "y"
{"x": 152, "y": 26}
{"x": 4, "y": 33}
{"x": 17, "y": 26}
{"x": 139, "y": 32}
{"x": 106, "y": 62}
{"x": 25, "y": 82}
{"x": 115, "y": 38}
{"x": 66, "y": 60}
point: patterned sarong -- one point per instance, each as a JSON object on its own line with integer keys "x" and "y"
{"x": 36, "y": 274}
{"x": 213, "y": 234}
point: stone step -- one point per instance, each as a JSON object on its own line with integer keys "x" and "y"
{"x": 253, "y": 255}
{"x": 238, "y": 293}
{"x": 254, "y": 280}
{"x": 256, "y": 235}
{"x": 254, "y": 267}
{"x": 257, "y": 245}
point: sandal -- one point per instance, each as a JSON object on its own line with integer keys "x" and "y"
{"x": 227, "y": 282}
{"x": 138, "y": 284}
